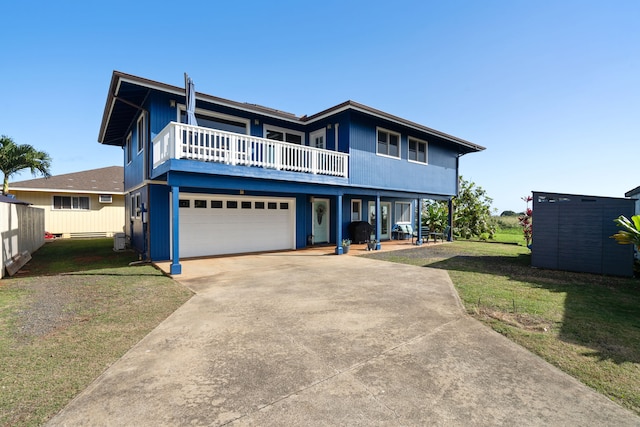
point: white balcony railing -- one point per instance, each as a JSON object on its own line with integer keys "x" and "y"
{"x": 180, "y": 141}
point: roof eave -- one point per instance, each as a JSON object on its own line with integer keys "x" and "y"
{"x": 352, "y": 105}
{"x": 119, "y": 77}
{"x": 632, "y": 192}
{"x": 67, "y": 190}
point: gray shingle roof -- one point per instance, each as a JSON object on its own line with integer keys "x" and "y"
{"x": 109, "y": 180}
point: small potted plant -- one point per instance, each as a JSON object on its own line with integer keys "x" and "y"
{"x": 346, "y": 244}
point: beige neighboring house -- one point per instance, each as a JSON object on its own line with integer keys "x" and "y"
{"x": 80, "y": 204}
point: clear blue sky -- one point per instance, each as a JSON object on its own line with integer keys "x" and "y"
{"x": 551, "y": 88}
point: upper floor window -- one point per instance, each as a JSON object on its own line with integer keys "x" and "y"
{"x": 219, "y": 121}
{"x": 417, "y": 150}
{"x": 388, "y": 143}
{"x": 317, "y": 138}
{"x": 142, "y": 133}
{"x": 129, "y": 148}
{"x": 286, "y": 135}
{"x": 70, "y": 203}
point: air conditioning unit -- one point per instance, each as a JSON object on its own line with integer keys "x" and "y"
{"x": 119, "y": 242}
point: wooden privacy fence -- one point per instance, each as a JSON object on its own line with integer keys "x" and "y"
{"x": 21, "y": 229}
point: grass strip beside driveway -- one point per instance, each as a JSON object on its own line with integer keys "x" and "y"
{"x": 587, "y": 325}
{"x": 76, "y": 308}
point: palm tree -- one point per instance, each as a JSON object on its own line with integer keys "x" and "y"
{"x": 14, "y": 158}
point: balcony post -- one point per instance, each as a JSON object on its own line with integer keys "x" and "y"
{"x": 314, "y": 161}
{"x": 176, "y": 138}
{"x": 233, "y": 145}
{"x": 278, "y": 156}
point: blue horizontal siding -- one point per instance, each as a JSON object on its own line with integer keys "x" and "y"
{"x": 357, "y": 136}
{"x": 369, "y": 169}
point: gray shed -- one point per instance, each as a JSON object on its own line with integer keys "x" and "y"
{"x": 572, "y": 232}
{"x": 635, "y": 195}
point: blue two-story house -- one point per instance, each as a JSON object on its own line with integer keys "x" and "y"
{"x": 249, "y": 178}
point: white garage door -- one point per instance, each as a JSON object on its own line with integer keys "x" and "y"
{"x": 215, "y": 225}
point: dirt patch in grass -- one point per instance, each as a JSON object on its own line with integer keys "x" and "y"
{"x": 523, "y": 321}
{"x": 58, "y": 332}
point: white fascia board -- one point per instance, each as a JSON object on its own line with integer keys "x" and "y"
{"x": 70, "y": 190}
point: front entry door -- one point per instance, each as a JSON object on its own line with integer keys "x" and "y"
{"x": 321, "y": 221}
{"x": 385, "y": 218}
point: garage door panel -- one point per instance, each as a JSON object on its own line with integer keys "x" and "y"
{"x": 216, "y": 231}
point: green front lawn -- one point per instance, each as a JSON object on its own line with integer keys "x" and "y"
{"x": 72, "y": 311}
{"x": 585, "y": 324}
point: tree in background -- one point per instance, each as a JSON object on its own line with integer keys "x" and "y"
{"x": 14, "y": 158}
{"x": 508, "y": 213}
{"x": 472, "y": 212}
{"x": 435, "y": 215}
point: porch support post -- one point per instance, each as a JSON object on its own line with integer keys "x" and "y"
{"x": 339, "y": 250}
{"x": 378, "y": 223}
{"x": 419, "y": 222}
{"x": 449, "y": 235}
{"x": 176, "y": 268}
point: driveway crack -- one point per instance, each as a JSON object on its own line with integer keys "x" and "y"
{"x": 349, "y": 369}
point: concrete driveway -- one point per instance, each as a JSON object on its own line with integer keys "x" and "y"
{"x": 305, "y": 339}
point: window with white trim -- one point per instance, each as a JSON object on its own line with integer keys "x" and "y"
{"x": 129, "y": 148}
{"x": 417, "y": 150}
{"x": 217, "y": 121}
{"x": 403, "y": 212}
{"x": 138, "y": 206}
{"x": 132, "y": 206}
{"x": 285, "y": 135}
{"x": 356, "y": 210}
{"x": 105, "y": 198}
{"x": 72, "y": 203}
{"x": 142, "y": 133}
{"x": 388, "y": 143}
{"x": 318, "y": 138}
